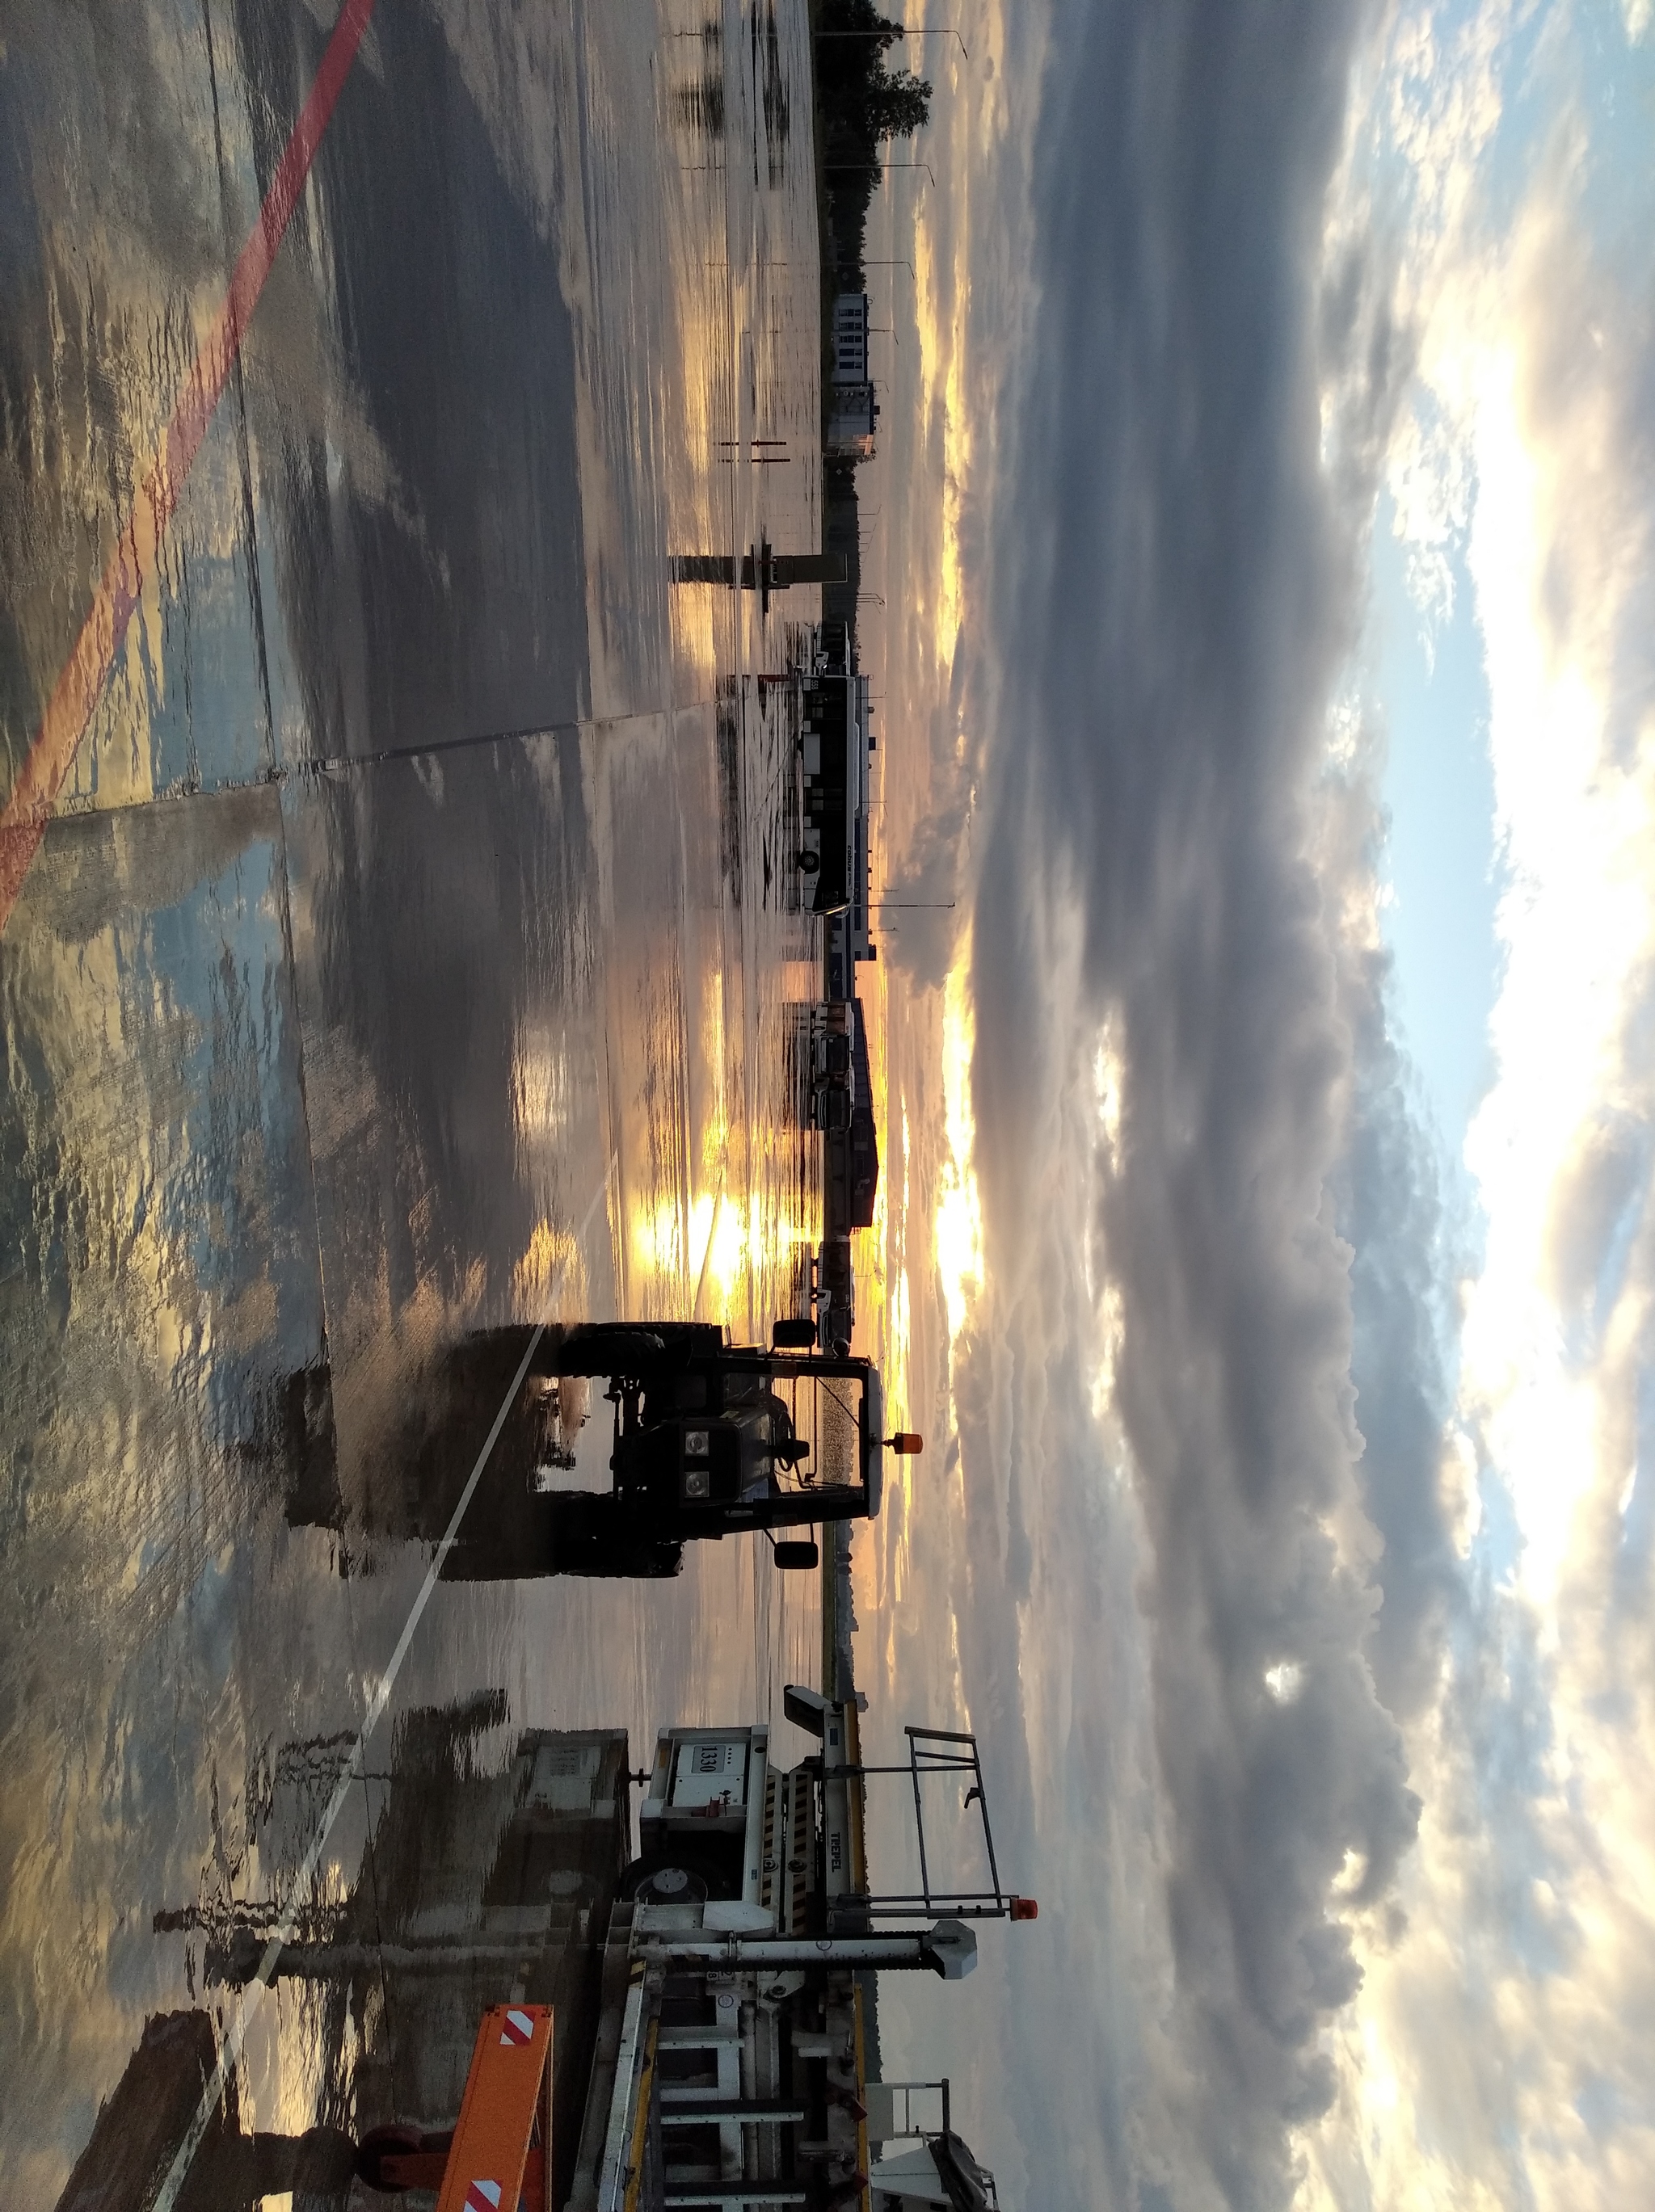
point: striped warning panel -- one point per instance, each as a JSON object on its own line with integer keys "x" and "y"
{"x": 502, "y": 2147}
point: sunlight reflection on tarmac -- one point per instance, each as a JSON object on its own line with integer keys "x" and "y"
{"x": 400, "y": 904}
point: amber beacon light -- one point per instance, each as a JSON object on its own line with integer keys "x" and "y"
{"x": 907, "y": 1443}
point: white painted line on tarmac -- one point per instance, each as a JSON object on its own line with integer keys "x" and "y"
{"x": 257, "y": 1990}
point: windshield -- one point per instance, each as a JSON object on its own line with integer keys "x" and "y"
{"x": 813, "y": 1422}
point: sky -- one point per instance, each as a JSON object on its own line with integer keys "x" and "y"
{"x": 1265, "y": 1243}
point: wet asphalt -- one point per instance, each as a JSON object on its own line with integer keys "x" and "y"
{"x": 410, "y": 951}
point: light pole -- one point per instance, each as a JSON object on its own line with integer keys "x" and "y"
{"x": 861, "y": 168}
{"x": 925, "y": 30}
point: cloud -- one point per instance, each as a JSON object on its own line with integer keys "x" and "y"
{"x": 1159, "y": 1370}
{"x": 1246, "y": 1555}
{"x": 1499, "y": 2054}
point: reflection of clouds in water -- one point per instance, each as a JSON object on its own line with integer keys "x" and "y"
{"x": 156, "y": 1122}
{"x": 482, "y": 1032}
{"x": 157, "y": 1191}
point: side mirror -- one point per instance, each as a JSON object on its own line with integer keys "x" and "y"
{"x": 907, "y": 1443}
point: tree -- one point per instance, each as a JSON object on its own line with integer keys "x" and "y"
{"x": 871, "y": 101}
{"x": 855, "y": 27}
{"x": 898, "y": 104}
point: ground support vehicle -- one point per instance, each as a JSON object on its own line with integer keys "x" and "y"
{"x": 828, "y": 1064}
{"x": 851, "y": 1145}
{"x": 833, "y": 1293}
{"x": 835, "y": 740}
{"x": 738, "y": 1990}
{"x": 710, "y": 1439}
{"x": 682, "y": 2013}
{"x": 836, "y": 1099}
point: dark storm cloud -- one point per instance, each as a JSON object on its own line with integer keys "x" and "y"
{"x": 1178, "y": 589}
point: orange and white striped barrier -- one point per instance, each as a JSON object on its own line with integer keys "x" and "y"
{"x": 500, "y": 2156}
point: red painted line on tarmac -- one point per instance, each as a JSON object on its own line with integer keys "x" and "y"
{"x": 80, "y": 686}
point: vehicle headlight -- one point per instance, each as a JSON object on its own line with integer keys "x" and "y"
{"x": 695, "y": 1443}
{"x": 696, "y": 1480}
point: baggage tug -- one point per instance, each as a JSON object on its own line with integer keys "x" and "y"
{"x": 710, "y": 1439}
{"x": 725, "y": 2059}
{"x": 687, "y": 2016}
{"x": 730, "y": 2067}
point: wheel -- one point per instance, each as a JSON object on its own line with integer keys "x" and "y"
{"x": 671, "y": 1877}
{"x": 587, "y": 1534}
{"x": 793, "y": 1332}
{"x": 381, "y": 2143}
{"x": 798, "y": 1557}
{"x": 670, "y": 1885}
{"x": 608, "y": 1348}
{"x": 807, "y": 863}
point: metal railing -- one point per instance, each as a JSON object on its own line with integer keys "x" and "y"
{"x": 932, "y": 1752}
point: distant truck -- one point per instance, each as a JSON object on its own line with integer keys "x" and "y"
{"x": 833, "y": 1294}
{"x": 835, "y": 740}
{"x": 838, "y": 1100}
{"x": 829, "y": 1069}
{"x": 851, "y": 1163}
{"x": 710, "y": 1439}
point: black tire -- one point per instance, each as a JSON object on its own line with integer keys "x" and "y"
{"x": 587, "y": 1534}
{"x": 702, "y": 1875}
{"x": 381, "y": 2143}
{"x": 793, "y": 1332}
{"x": 639, "y": 1563}
{"x": 808, "y": 864}
{"x": 798, "y": 1558}
{"x": 608, "y": 1348}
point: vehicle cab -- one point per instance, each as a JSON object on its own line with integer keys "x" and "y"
{"x": 750, "y": 1439}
